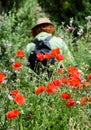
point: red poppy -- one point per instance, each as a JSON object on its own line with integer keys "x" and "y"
{"x": 73, "y": 70}
{"x": 65, "y": 95}
{"x": 89, "y": 76}
{"x": 17, "y": 65}
{"x": 12, "y": 114}
{"x": 19, "y": 99}
{"x": 55, "y": 52}
{"x": 87, "y": 84}
{"x": 20, "y": 53}
{"x": 64, "y": 80}
{"x": 14, "y": 92}
{"x": 74, "y": 77}
{"x": 2, "y": 77}
{"x": 70, "y": 102}
{"x": 51, "y": 88}
{"x": 40, "y": 56}
{"x": 74, "y": 81}
{"x": 61, "y": 71}
{"x": 83, "y": 101}
{"x": 48, "y": 56}
{"x": 57, "y": 82}
{"x": 59, "y": 57}
{"x": 40, "y": 89}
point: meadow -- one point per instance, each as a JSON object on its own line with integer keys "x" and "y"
{"x": 30, "y": 101}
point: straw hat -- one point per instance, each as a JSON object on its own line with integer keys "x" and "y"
{"x": 42, "y": 21}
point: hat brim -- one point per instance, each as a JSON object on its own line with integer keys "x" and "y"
{"x": 41, "y": 24}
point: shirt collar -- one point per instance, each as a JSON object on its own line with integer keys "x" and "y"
{"x": 42, "y": 35}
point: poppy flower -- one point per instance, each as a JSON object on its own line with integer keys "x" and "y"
{"x": 73, "y": 71}
{"x": 2, "y": 77}
{"x": 57, "y": 82}
{"x": 39, "y": 89}
{"x": 89, "y": 76}
{"x": 14, "y": 92}
{"x": 48, "y": 56}
{"x": 19, "y": 99}
{"x": 51, "y": 88}
{"x": 20, "y": 53}
{"x": 16, "y": 65}
{"x": 12, "y": 114}
{"x": 86, "y": 84}
{"x": 74, "y": 81}
{"x": 61, "y": 71}
{"x": 59, "y": 57}
{"x": 70, "y": 102}
{"x": 83, "y": 101}
{"x": 40, "y": 56}
{"x": 55, "y": 52}
{"x": 65, "y": 95}
{"x": 64, "y": 80}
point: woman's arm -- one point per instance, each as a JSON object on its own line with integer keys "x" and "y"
{"x": 29, "y": 48}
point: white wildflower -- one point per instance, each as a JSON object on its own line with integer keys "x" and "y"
{"x": 10, "y": 97}
{"x": 13, "y": 59}
{"x": 78, "y": 102}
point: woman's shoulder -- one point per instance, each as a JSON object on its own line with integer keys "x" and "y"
{"x": 57, "y": 39}
{"x": 30, "y": 44}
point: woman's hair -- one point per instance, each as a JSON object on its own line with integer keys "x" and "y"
{"x": 43, "y": 28}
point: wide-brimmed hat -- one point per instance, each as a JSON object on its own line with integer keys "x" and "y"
{"x": 42, "y": 21}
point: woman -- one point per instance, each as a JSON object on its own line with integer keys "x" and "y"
{"x": 41, "y": 31}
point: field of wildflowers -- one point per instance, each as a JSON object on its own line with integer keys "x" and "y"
{"x": 30, "y": 101}
{"x": 39, "y": 102}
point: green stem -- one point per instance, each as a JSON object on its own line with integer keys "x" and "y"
{"x": 21, "y": 126}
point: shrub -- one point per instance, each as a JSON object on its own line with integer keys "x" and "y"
{"x": 63, "y": 10}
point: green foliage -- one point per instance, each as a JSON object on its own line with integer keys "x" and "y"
{"x": 17, "y": 24}
{"x": 78, "y": 40}
{"x": 60, "y": 10}
{"x": 7, "y": 5}
{"x": 15, "y": 29}
{"x": 63, "y": 10}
